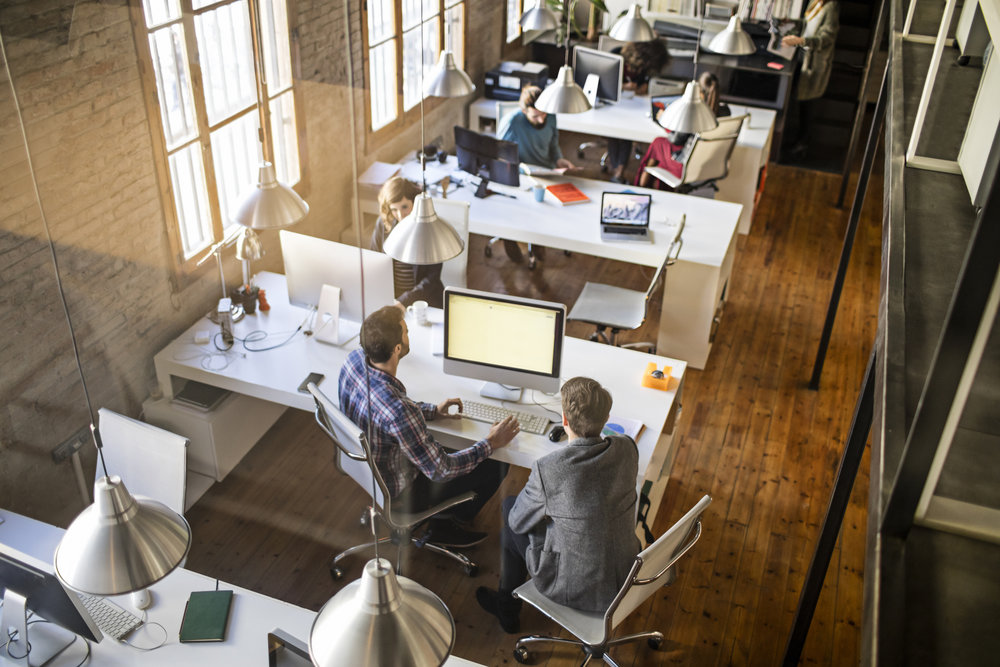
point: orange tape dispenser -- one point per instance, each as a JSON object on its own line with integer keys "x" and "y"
{"x": 655, "y": 378}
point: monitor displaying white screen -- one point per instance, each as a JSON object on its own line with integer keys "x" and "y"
{"x": 311, "y": 263}
{"x": 625, "y": 208}
{"x": 504, "y": 339}
{"x": 609, "y": 68}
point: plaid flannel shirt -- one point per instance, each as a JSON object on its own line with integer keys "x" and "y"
{"x": 400, "y": 441}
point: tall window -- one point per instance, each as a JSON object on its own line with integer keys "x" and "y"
{"x": 394, "y": 31}
{"x": 201, "y": 53}
{"x": 514, "y": 10}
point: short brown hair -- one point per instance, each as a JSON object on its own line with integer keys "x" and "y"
{"x": 529, "y": 95}
{"x": 586, "y": 405}
{"x": 381, "y": 332}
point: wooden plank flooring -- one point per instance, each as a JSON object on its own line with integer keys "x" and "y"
{"x": 751, "y": 434}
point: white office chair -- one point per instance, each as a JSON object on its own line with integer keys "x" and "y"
{"x": 151, "y": 461}
{"x": 618, "y": 308}
{"x": 653, "y": 568}
{"x": 456, "y": 214}
{"x": 354, "y": 458}
{"x": 707, "y": 158}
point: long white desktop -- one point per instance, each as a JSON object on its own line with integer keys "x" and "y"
{"x": 694, "y": 291}
{"x": 263, "y": 381}
{"x": 630, "y": 119}
{"x": 253, "y": 615}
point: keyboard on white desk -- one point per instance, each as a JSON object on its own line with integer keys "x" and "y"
{"x": 113, "y": 621}
{"x": 487, "y": 412}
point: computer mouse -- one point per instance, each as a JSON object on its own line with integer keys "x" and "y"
{"x": 657, "y": 373}
{"x": 142, "y": 599}
{"x": 557, "y": 433}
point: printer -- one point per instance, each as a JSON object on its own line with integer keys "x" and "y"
{"x": 506, "y": 81}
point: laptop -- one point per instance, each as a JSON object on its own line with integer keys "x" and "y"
{"x": 625, "y": 216}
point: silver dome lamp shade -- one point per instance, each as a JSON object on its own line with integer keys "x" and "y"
{"x": 422, "y": 237}
{"x": 447, "y": 80}
{"x": 382, "y": 619}
{"x": 632, "y": 27}
{"x": 563, "y": 95}
{"x": 270, "y": 205}
{"x": 689, "y": 113}
{"x": 539, "y": 18}
{"x": 734, "y": 40}
{"x": 121, "y": 543}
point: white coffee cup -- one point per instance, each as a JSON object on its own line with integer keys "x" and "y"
{"x": 419, "y": 310}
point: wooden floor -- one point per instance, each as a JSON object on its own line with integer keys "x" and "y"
{"x": 751, "y": 434}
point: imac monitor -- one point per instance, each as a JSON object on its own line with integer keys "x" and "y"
{"x": 311, "y": 263}
{"x": 28, "y": 584}
{"x": 608, "y": 67}
{"x": 504, "y": 340}
{"x": 489, "y": 158}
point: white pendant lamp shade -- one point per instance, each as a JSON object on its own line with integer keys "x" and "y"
{"x": 539, "y": 18}
{"x": 422, "y": 237}
{"x": 563, "y": 95}
{"x": 270, "y": 205}
{"x": 734, "y": 40}
{"x": 382, "y": 619}
{"x": 447, "y": 80}
{"x": 689, "y": 113}
{"x": 121, "y": 543}
{"x": 632, "y": 27}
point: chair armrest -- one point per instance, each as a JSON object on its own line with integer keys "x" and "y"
{"x": 408, "y": 519}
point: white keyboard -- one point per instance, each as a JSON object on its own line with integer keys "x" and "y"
{"x": 113, "y": 621}
{"x": 486, "y": 412}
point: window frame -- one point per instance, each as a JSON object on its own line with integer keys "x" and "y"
{"x": 404, "y": 118}
{"x": 510, "y": 46}
{"x": 182, "y": 269}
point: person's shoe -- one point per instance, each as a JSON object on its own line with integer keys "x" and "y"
{"x": 505, "y": 607}
{"x": 513, "y": 251}
{"x": 447, "y": 533}
{"x": 618, "y": 179}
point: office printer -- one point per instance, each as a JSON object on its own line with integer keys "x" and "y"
{"x": 505, "y": 82}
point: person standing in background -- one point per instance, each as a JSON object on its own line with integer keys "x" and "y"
{"x": 817, "y": 40}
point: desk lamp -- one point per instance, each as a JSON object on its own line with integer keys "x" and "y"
{"x": 632, "y": 27}
{"x": 734, "y": 40}
{"x": 248, "y": 247}
{"x": 690, "y": 113}
{"x": 121, "y": 543}
{"x": 422, "y": 237}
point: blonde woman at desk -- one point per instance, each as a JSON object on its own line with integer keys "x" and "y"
{"x": 410, "y": 282}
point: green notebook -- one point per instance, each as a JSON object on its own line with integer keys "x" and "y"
{"x": 206, "y": 615}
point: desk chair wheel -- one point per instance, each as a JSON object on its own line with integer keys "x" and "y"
{"x": 471, "y": 570}
{"x": 364, "y": 519}
{"x": 567, "y": 253}
{"x": 532, "y": 262}
{"x": 521, "y": 655}
{"x": 336, "y": 573}
{"x": 654, "y": 643}
{"x": 488, "y": 251}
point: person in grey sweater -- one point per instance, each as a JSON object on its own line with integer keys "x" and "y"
{"x": 572, "y": 527}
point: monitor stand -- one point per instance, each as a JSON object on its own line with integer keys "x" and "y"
{"x": 483, "y": 189}
{"x": 500, "y": 392}
{"x": 47, "y": 639}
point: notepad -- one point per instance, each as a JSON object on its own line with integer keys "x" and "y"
{"x": 206, "y": 616}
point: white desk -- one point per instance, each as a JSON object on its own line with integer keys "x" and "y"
{"x": 695, "y": 287}
{"x": 630, "y": 119}
{"x": 253, "y": 615}
{"x": 275, "y": 375}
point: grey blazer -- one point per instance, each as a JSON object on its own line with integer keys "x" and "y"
{"x": 821, "y": 35}
{"x": 578, "y": 509}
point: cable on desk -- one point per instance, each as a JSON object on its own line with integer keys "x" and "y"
{"x": 145, "y": 623}
{"x": 253, "y": 336}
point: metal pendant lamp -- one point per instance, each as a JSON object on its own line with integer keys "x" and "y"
{"x": 539, "y": 18}
{"x": 382, "y": 619}
{"x": 121, "y": 543}
{"x": 422, "y": 237}
{"x": 270, "y": 205}
{"x": 563, "y": 95}
{"x": 734, "y": 40}
{"x": 689, "y": 113}
{"x": 632, "y": 27}
{"x": 447, "y": 80}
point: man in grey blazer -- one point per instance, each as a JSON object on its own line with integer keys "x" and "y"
{"x": 572, "y": 527}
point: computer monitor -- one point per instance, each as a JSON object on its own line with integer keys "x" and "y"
{"x": 311, "y": 263}
{"x": 609, "y": 68}
{"x": 489, "y": 158}
{"x": 509, "y": 342}
{"x": 28, "y": 584}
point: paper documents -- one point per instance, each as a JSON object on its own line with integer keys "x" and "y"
{"x": 775, "y": 47}
{"x": 378, "y": 173}
{"x": 538, "y": 170}
{"x": 622, "y": 426}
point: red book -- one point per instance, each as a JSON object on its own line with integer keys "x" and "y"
{"x": 567, "y": 193}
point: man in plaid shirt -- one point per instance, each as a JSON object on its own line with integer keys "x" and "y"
{"x": 418, "y": 471}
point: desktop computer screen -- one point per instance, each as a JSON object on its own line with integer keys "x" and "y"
{"x": 28, "y": 584}
{"x": 503, "y": 339}
{"x": 609, "y": 68}
{"x": 311, "y": 263}
{"x": 489, "y": 158}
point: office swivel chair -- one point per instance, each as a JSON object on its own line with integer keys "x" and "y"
{"x": 653, "y": 568}
{"x": 619, "y": 308}
{"x": 354, "y": 458}
{"x": 705, "y": 160}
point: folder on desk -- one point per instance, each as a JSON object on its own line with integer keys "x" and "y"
{"x": 206, "y": 616}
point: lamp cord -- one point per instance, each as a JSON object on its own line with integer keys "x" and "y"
{"x": 52, "y": 251}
